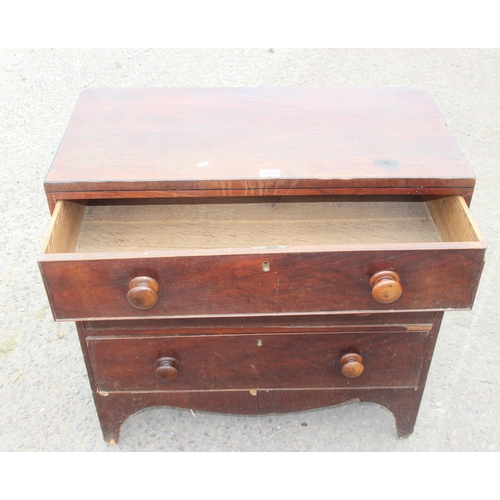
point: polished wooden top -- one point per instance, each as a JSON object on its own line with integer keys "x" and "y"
{"x": 256, "y": 138}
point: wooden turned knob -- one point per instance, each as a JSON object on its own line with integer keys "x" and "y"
{"x": 143, "y": 292}
{"x": 352, "y": 366}
{"x": 167, "y": 369}
{"x": 386, "y": 287}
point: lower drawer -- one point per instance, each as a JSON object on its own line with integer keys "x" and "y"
{"x": 271, "y": 361}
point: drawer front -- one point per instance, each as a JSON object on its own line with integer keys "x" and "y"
{"x": 257, "y": 361}
{"x": 267, "y": 283}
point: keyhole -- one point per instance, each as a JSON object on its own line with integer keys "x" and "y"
{"x": 266, "y": 267}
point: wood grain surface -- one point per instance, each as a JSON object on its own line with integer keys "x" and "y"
{"x": 258, "y": 138}
{"x": 81, "y": 286}
{"x": 257, "y": 362}
{"x": 114, "y": 408}
{"x": 338, "y": 323}
{"x": 280, "y": 222}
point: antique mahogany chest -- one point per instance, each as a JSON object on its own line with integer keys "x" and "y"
{"x": 258, "y": 250}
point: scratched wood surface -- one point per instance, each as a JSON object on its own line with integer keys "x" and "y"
{"x": 374, "y": 323}
{"x": 267, "y": 361}
{"x": 114, "y": 407}
{"x": 255, "y": 139}
{"x": 142, "y": 227}
{"x": 85, "y": 287}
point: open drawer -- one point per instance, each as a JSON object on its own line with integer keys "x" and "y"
{"x": 118, "y": 259}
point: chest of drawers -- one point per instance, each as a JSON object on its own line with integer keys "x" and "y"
{"x": 258, "y": 250}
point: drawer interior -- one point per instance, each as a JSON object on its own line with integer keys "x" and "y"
{"x": 264, "y": 222}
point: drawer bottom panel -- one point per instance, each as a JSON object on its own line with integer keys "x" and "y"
{"x": 266, "y": 361}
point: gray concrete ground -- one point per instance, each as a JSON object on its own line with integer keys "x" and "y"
{"x": 45, "y": 399}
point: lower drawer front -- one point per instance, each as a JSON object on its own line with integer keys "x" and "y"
{"x": 255, "y": 361}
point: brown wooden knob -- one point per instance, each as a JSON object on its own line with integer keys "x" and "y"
{"x": 386, "y": 287}
{"x": 167, "y": 369}
{"x": 352, "y": 365}
{"x": 143, "y": 292}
